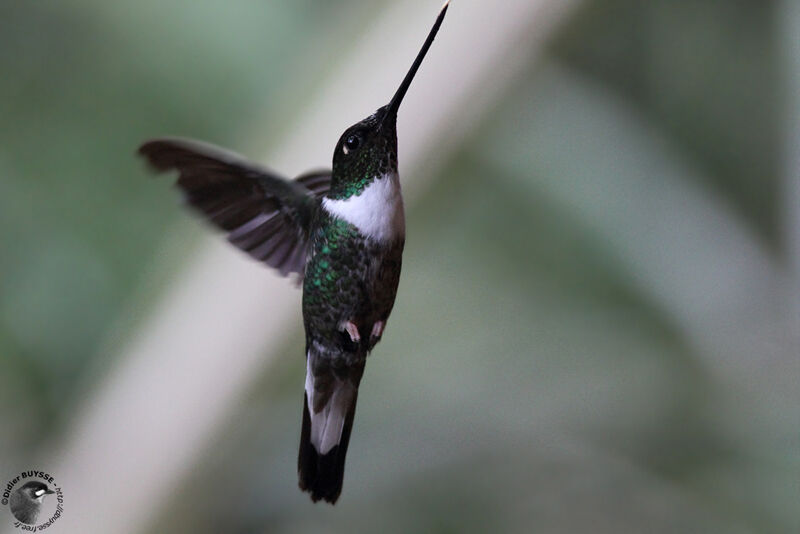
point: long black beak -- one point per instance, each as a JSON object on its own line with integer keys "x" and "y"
{"x": 394, "y": 104}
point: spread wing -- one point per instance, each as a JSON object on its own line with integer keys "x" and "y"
{"x": 263, "y": 214}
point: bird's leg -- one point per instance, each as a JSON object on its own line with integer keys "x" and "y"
{"x": 352, "y": 331}
{"x": 377, "y": 330}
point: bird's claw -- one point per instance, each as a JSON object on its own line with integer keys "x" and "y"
{"x": 352, "y": 331}
{"x": 377, "y": 330}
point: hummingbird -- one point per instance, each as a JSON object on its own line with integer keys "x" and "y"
{"x": 342, "y": 232}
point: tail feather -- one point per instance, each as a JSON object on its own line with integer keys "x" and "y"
{"x": 329, "y": 406}
{"x": 322, "y": 475}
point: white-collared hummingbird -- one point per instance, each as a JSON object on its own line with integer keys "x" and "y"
{"x": 342, "y": 231}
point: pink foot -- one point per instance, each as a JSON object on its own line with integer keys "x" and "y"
{"x": 377, "y": 330}
{"x": 352, "y": 330}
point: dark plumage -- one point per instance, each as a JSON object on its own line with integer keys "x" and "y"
{"x": 342, "y": 231}
{"x": 264, "y": 214}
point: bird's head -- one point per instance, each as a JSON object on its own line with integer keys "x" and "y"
{"x": 367, "y": 150}
{"x": 35, "y": 490}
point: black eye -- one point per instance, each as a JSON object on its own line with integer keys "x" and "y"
{"x": 352, "y": 142}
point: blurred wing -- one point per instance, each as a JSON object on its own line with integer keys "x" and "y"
{"x": 318, "y": 182}
{"x": 264, "y": 214}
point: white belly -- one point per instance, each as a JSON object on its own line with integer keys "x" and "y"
{"x": 377, "y": 212}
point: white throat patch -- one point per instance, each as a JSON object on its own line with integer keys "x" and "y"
{"x": 377, "y": 212}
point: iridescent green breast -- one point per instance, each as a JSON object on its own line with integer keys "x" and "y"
{"x": 333, "y": 243}
{"x": 344, "y": 278}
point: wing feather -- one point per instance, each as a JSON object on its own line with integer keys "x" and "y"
{"x": 265, "y": 215}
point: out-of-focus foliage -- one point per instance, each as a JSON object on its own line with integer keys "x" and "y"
{"x": 551, "y": 364}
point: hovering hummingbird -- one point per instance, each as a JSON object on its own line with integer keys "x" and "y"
{"x": 342, "y": 231}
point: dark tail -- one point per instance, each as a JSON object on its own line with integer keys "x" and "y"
{"x": 329, "y": 406}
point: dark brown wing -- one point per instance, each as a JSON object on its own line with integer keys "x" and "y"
{"x": 318, "y": 182}
{"x": 264, "y": 214}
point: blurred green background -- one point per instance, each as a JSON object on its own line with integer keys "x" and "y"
{"x": 597, "y": 322}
